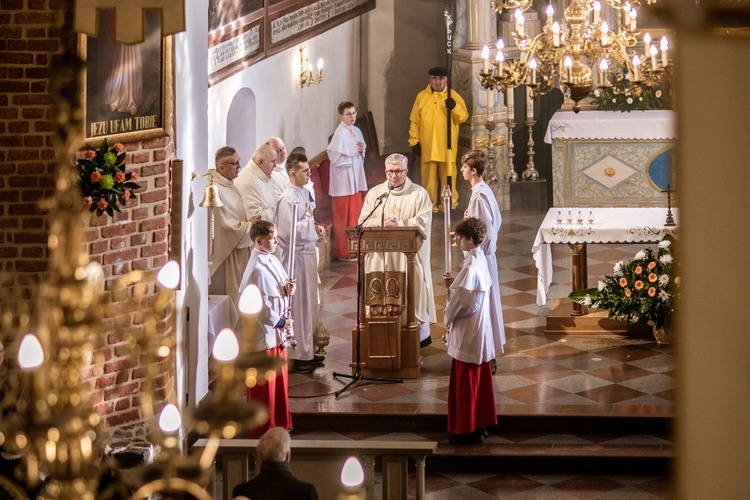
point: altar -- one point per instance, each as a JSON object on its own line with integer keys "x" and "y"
{"x": 598, "y": 225}
{"x": 611, "y": 158}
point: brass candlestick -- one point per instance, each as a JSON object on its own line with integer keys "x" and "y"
{"x": 510, "y": 174}
{"x": 531, "y": 173}
{"x": 670, "y": 218}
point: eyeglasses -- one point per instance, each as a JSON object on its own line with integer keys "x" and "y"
{"x": 353, "y": 113}
{"x": 229, "y": 163}
{"x": 392, "y": 173}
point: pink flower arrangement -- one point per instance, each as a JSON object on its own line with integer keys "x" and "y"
{"x": 104, "y": 183}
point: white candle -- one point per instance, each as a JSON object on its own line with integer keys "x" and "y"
{"x": 597, "y": 10}
{"x": 653, "y": 51}
{"x": 633, "y": 15}
{"x": 519, "y": 22}
{"x": 664, "y": 49}
{"x": 550, "y": 14}
{"x": 556, "y": 34}
{"x": 490, "y": 100}
{"x": 511, "y": 107}
{"x": 568, "y": 63}
{"x": 605, "y": 34}
{"x": 529, "y": 104}
{"x": 485, "y": 59}
{"x": 603, "y": 68}
{"x": 320, "y": 69}
{"x": 646, "y": 40}
{"x": 500, "y": 58}
{"x": 532, "y": 72}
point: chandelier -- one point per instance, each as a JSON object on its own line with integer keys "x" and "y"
{"x": 579, "y": 52}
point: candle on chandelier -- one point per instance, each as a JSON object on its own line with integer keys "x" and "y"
{"x": 664, "y": 49}
{"x": 633, "y": 15}
{"x": 626, "y": 16}
{"x": 485, "y": 59}
{"x": 520, "y": 20}
{"x": 568, "y": 63}
{"x": 597, "y": 10}
{"x": 653, "y": 51}
{"x": 556, "y": 34}
{"x": 603, "y": 68}
{"x": 550, "y": 13}
{"x": 605, "y": 34}
{"x": 532, "y": 73}
{"x": 500, "y": 58}
{"x": 490, "y": 100}
{"x": 636, "y": 69}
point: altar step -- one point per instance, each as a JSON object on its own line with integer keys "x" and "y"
{"x": 525, "y": 444}
{"x": 591, "y": 322}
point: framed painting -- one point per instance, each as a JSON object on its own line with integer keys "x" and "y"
{"x": 126, "y": 88}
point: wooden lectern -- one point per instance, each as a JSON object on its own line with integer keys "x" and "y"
{"x": 389, "y": 343}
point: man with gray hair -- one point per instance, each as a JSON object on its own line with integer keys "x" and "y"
{"x": 275, "y": 480}
{"x": 400, "y": 202}
{"x": 279, "y": 175}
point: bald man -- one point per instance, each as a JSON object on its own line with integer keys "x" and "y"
{"x": 279, "y": 175}
{"x": 256, "y": 186}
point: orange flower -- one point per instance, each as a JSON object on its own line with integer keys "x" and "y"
{"x": 638, "y": 270}
{"x": 652, "y": 278}
{"x": 638, "y": 285}
{"x": 651, "y": 265}
{"x": 96, "y": 176}
{"x": 628, "y": 293}
{"x": 101, "y": 204}
{"x": 89, "y": 154}
{"x": 119, "y": 177}
{"x": 652, "y": 292}
{"x": 657, "y": 94}
{"x": 623, "y": 282}
{"x": 126, "y": 194}
{"x": 118, "y": 147}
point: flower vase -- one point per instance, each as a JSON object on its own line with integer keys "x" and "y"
{"x": 663, "y": 335}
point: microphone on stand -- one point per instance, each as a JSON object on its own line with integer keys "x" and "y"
{"x": 384, "y": 196}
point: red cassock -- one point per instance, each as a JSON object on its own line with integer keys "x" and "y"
{"x": 471, "y": 397}
{"x": 275, "y": 393}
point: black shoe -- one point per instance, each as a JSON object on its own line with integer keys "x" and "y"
{"x": 298, "y": 367}
{"x": 493, "y": 363}
{"x": 471, "y": 438}
{"x": 318, "y": 359}
{"x": 313, "y": 362}
{"x": 425, "y": 342}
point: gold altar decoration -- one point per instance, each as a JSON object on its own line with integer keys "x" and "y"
{"x": 579, "y": 53}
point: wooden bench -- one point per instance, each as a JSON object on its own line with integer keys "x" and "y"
{"x": 320, "y": 461}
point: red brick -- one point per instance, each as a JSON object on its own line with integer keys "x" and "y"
{"x": 35, "y": 18}
{"x": 31, "y": 100}
{"x": 34, "y": 73}
{"x": 32, "y": 113}
{"x": 50, "y": 45}
{"x": 152, "y": 224}
{"x": 154, "y": 195}
{"x": 11, "y": 4}
{"x": 36, "y": 33}
{"x": 11, "y": 86}
{"x": 33, "y": 141}
{"x": 10, "y": 31}
{"x": 37, "y": 4}
{"x": 18, "y": 127}
{"x": 122, "y": 419}
{"x": 118, "y": 230}
{"x": 30, "y": 266}
{"x": 39, "y": 87}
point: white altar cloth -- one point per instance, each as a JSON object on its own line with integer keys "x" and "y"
{"x": 611, "y": 225}
{"x": 608, "y": 125}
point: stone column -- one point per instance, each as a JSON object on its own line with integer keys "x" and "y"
{"x": 480, "y": 24}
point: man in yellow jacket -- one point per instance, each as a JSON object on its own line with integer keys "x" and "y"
{"x": 428, "y": 135}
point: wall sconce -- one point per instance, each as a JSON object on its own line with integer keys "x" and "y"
{"x": 305, "y": 70}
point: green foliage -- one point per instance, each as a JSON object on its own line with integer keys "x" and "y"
{"x": 103, "y": 180}
{"x": 623, "y": 97}
{"x": 641, "y": 289}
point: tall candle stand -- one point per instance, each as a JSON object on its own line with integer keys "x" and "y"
{"x": 510, "y": 174}
{"x": 530, "y": 173}
{"x": 490, "y": 175}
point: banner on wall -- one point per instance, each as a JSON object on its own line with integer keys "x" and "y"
{"x": 243, "y": 33}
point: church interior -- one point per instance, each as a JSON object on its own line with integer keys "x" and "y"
{"x": 586, "y": 407}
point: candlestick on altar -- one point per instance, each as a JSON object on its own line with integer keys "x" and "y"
{"x": 447, "y": 195}
{"x": 670, "y": 218}
{"x": 531, "y": 173}
{"x": 510, "y": 174}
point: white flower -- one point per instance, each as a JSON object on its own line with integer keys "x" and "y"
{"x": 601, "y": 285}
{"x": 587, "y": 300}
{"x": 664, "y": 244}
{"x": 664, "y": 296}
{"x": 663, "y": 279}
{"x": 640, "y": 255}
{"x": 597, "y": 93}
{"x": 666, "y": 259}
{"x": 618, "y": 266}
{"x": 630, "y": 100}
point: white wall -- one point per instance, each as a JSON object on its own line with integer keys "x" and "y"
{"x": 300, "y": 116}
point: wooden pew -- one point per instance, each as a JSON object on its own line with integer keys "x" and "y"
{"x": 320, "y": 462}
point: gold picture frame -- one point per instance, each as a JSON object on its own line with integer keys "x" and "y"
{"x": 126, "y": 89}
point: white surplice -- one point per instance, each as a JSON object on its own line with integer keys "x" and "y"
{"x": 410, "y": 205}
{"x": 347, "y": 162}
{"x": 467, "y": 313}
{"x": 483, "y": 206}
{"x": 266, "y": 272}
{"x": 305, "y": 299}
{"x": 231, "y": 240}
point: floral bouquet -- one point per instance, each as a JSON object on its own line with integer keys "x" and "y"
{"x": 642, "y": 289}
{"x": 623, "y": 97}
{"x": 103, "y": 180}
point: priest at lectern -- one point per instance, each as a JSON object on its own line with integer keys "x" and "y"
{"x": 403, "y": 203}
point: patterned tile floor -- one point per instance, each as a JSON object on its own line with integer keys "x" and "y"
{"x": 537, "y": 375}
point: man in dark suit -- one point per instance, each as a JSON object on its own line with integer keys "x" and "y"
{"x": 275, "y": 480}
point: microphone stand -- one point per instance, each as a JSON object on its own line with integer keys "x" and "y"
{"x": 357, "y": 375}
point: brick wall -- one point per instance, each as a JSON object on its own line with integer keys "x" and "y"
{"x": 136, "y": 239}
